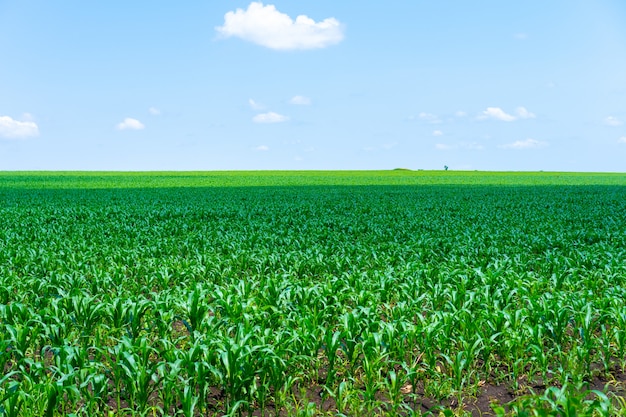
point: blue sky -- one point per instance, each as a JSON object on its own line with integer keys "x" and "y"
{"x": 313, "y": 84}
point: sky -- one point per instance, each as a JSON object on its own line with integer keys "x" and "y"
{"x": 313, "y": 85}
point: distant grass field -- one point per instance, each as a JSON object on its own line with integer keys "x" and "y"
{"x": 374, "y": 293}
{"x": 91, "y": 180}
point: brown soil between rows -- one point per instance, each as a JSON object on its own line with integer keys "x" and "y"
{"x": 480, "y": 405}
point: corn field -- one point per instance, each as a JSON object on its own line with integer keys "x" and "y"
{"x": 398, "y": 294}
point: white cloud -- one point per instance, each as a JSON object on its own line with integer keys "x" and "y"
{"x": 429, "y": 117}
{"x": 269, "y": 117}
{"x": 266, "y": 26}
{"x": 154, "y": 111}
{"x": 521, "y": 36}
{"x": 437, "y": 133}
{"x": 15, "y": 129}
{"x": 444, "y": 147}
{"x": 256, "y": 106}
{"x": 130, "y": 124}
{"x": 496, "y": 113}
{"x": 622, "y": 139}
{"x": 460, "y": 113}
{"x": 300, "y": 100}
{"x": 262, "y": 148}
{"x": 524, "y": 144}
{"x": 613, "y": 121}
{"x": 522, "y": 113}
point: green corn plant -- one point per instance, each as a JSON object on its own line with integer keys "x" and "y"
{"x": 13, "y": 404}
{"x": 281, "y": 396}
{"x": 372, "y": 365}
{"x": 164, "y": 315}
{"x": 586, "y": 323}
{"x": 199, "y": 365}
{"x": 542, "y": 359}
{"x": 564, "y": 402}
{"x": 304, "y": 338}
{"x": 606, "y": 348}
{"x": 197, "y": 309}
{"x": 351, "y": 336}
{"x": 16, "y": 313}
{"x": 619, "y": 340}
{"x": 116, "y": 313}
{"x": 57, "y": 332}
{"x": 237, "y": 368}
{"x": 86, "y": 313}
{"x": 461, "y": 374}
{"x": 13, "y": 394}
{"x": 62, "y": 388}
{"x": 332, "y": 343}
{"x": 394, "y": 382}
{"x": 557, "y": 326}
{"x": 272, "y": 370}
{"x": 189, "y": 401}
{"x": 489, "y": 345}
{"x": 310, "y": 410}
{"x": 342, "y": 395}
{"x": 136, "y": 370}
{"x": 94, "y": 389}
{"x": 128, "y": 316}
{"x": 170, "y": 374}
{"x": 415, "y": 372}
{"x": 5, "y": 350}
{"x": 23, "y": 341}
{"x": 428, "y": 339}
{"x": 134, "y": 316}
